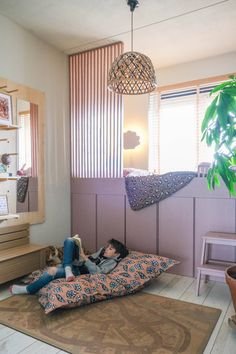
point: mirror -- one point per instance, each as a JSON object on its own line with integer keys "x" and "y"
{"x": 27, "y": 158}
{"x": 23, "y": 140}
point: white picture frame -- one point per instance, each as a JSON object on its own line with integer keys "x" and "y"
{"x": 5, "y": 109}
{"x": 3, "y": 205}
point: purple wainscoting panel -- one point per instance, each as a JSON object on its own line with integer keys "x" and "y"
{"x": 33, "y": 184}
{"x": 176, "y": 217}
{"x": 33, "y": 201}
{"x": 197, "y": 188}
{"x": 84, "y": 219}
{"x": 110, "y": 218}
{"x": 98, "y": 186}
{"x": 23, "y": 207}
{"x": 214, "y": 215}
{"x": 100, "y": 210}
{"x": 33, "y": 193}
{"x": 141, "y": 229}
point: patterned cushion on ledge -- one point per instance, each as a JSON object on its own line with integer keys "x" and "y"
{"x": 129, "y": 276}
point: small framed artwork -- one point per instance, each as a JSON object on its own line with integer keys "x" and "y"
{"x": 3, "y": 205}
{"x": 5, "y": 109}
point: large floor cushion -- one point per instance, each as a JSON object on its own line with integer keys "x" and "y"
{"x": 129, "y": 276}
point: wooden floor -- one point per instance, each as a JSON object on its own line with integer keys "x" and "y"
{"x": 214, "y": 294}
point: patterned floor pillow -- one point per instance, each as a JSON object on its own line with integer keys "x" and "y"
{"x": 129, "y": 276}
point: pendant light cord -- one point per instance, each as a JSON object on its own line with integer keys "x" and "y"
{"x": 132, "y": 30}
{"x": 132, "y": 4}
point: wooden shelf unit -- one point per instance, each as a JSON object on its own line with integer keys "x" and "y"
{"x": 18, "y": 256}
{"x": 9, "y": 127}
{"x": 214, "y": 267}
{"x": 8, "y": 216}
{"x": 13, "y": 178}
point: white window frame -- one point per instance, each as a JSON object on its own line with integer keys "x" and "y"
{"x": 154, "y": 117}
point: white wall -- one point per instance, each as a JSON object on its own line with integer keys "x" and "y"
{"x": 196, "y": 70}
{"x": 136, "y": 107}
{"x": 29, "y": 61}
{"x": 135, "y": 119}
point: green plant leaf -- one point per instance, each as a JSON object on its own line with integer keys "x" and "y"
{"x": 203, "y": 135}
{"x": 231, "y": 91}
{"x": 216, "y": 136}
{"x": 226, "y": 174}
{"x": 221, "y": 86}
{"x": 210, "y": 114}
{"x": 209, "y": 138}
{"x": 209, "y": 178}
{"x": 223, "y": 110}
{"x": 216, "y": 180}
{"x": 219, "y": 129}
{"x": 231, "y": 103}
{"x": 233, "y": 160}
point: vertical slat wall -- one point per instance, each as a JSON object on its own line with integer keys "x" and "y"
{"x": 96, "y": 115}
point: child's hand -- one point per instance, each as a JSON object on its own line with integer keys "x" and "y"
{"x": 78, "y": 242}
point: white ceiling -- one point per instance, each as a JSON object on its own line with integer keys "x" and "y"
{"x": 168, "y": 31}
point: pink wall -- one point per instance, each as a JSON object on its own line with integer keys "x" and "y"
{"x": 100, "y": 210}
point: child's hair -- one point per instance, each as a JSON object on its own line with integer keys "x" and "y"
{"x": 119, "y": 247}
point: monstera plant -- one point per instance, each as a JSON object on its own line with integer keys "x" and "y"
{"x": 219, "y": 130}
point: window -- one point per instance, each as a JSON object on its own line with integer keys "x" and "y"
{"x": 175, "y": 118}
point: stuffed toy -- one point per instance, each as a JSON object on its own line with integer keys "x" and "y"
{"x": 54, "y": 256}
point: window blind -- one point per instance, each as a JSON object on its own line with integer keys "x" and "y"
{"x": 175, "y": 119}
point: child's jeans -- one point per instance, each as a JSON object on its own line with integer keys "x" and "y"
{"x": 71, "y": 251}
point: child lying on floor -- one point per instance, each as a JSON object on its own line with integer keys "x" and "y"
{"x": 75, "y": 263}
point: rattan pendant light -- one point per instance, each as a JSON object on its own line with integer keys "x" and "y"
{"x": 132, "y": 73}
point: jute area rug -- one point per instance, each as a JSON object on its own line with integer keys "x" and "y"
{"x": 135, "y": 324}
